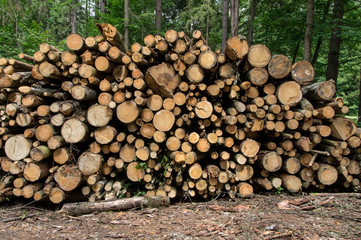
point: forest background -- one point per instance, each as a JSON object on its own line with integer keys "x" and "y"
{"x": 325, "y": 32}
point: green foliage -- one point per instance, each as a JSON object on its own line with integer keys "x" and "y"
{"x": 278, "y": 24}
{"x": 279, "y": 190}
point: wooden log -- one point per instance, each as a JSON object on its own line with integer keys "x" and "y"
{"x": 320, "y": 91}
{"x": 162, "y": 79}
{"x": 207, "y": 60}
{"x": 68, "y": 177}
{"x": 236, "y": 48}
{"x": 195, "y": 171}
{"x": 57, "y": 195}
{"x": 111, "y": 34}
{"x": 127, "y": 153}
{"x": 302, "y": 72}
{"x": 128, "y": 111}
{"x": 259, "y": 56}
{"x": 75, "y": 42}
{"x": 203, "y": 109}
{"x": 342, "y": 128}
{"x": 195, "y": 73}
{"x": 135, "y": 173}
{"x": 89, "y": 163}
{"x": 258, "y": 76}
{"x": 35, "y": 171}
{"x": 327, "y": 174}
{"x": 116, "y": 205}
{"x": 40, "y": 153}
{"x": 74, "y": 131}
{"x": 271, "y": 161}
{"x": 105, "y": 135}
{"x": 291, "y": 182}
{"x": 17, "y": 147}
{"x": 163, "y": 120}
{"x": 279, "y": 67}
{"x": 26, "y": 57}
{"x": 245, "y": 189}
{"x": 83, "y": 93}
{"x": 244, "y": 172}
{"x": 249, "y": 147}
{"x": 289, "y": 93}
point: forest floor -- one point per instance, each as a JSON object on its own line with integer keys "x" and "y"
{"x": 276, "y": 216}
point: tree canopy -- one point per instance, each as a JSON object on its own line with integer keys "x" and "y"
{"x": 278, "y": 24}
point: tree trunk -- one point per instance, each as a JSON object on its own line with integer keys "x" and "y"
{"x": 225, "y": 23}
{"x": 359, "y": 100}
{"x": 73, "y": 16}
{"x": 234, "y": 17}
{"x": 308, "y": 33}
{"x": 86, "y": 16}
{"x": 251, "y": 22}
{"x": 335, "y": 41}
{"x": 126, "y": 23}
{"x": 158, "y": 14}
{"x": 103, "y": 4}
{"x": 320, "y": 38}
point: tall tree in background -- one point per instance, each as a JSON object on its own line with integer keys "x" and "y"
{"x": 73, "y": 15}
{"x": 207, "y": 21}
{"x": 335, "y": 40}
{"x": 103, "y": 4}
{"x": 158, "y": 13}
{"x": 234, "y": 17}
{"x": 307, "y": 44}
{"x": 320, "y": 37}
{"x": 251, "y": 21}
{"x": 225, "y": 23}
{"x": 126, "y": 23}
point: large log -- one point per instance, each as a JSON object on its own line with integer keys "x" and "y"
{"x": 68, "y": 177}
{"x": 116, "y": 205}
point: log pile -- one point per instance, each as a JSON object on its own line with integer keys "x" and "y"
{"x": 169, "y": 118}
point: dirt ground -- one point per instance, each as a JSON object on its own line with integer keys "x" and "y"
{"x": 261, "y": 217}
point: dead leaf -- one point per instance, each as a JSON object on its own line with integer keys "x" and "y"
{"x": 216, "y": 207}
{"x": 43, "y": 219}
{"x": 241, "y": 207}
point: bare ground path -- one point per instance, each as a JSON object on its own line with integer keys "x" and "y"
{"x": 261, "y": 217}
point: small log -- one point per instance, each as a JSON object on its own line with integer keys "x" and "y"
{"x": 74, "y": 131}
{"x": 111, "y": 34}
{"x": 135, "y": 173}
{"x": 89, "y": 163}
{"x": 128, "y": 112}
{"x": 291, "y": 182}
{"x": 75, "y": 42}
{"x": 320, "y": 91}
{"x": 327, "y": 174}
{"x": 35, "y": 171}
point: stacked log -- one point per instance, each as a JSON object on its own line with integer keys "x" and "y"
{"x": 169, "y": 118}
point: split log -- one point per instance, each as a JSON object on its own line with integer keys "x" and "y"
{"x": 162, "y": 79}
